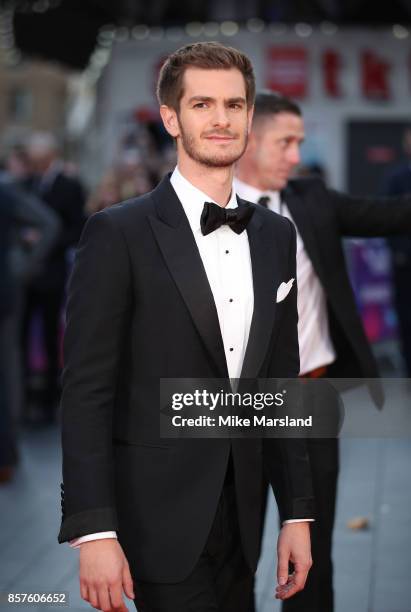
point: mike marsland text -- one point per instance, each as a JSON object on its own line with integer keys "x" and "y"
{"x": 236, "y": 421}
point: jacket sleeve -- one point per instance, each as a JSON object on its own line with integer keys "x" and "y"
{"x": 31, "y": 212}
{"x": 286, "y": 460}
{"x": 372, "y": 216}
{"x": 99, "y": 301}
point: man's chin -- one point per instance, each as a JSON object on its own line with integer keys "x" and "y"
{"x": 214, "y": 162}
{"x": 221, "y": 160}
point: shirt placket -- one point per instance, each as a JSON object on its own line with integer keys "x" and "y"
{"x": 231, "y": 296}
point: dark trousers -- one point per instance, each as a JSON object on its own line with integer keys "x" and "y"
{"x": 8, "y": 420}
{"x": 220, "y": 582}
{"x": 48, "y": 303}
{"x": 318, "y": 595}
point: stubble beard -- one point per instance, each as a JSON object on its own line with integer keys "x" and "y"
{"x": 224, "y": 160}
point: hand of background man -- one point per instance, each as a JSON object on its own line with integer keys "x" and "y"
{"x": 104, "y": 575}
{"x": 294, "y": 545}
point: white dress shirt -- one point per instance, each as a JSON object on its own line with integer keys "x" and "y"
{"x": 227, "y": 264}
{"x": 316, "y": 348}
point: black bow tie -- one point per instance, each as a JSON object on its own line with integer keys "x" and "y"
{"x": 214, "y": 216}
{"x": 263, "y": 201}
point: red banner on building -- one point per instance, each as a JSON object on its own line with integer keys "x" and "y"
{"x": 332, "y": 64}
{"x": 287, "y": 71}
{"x": 375, "y": 73}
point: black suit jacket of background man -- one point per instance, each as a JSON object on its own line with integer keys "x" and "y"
{"x": 323, "y": 217}
{"x": 140, "y": 308}
{"x": 65, "y": 196}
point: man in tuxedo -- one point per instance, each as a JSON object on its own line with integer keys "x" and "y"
{"x": 64, "y": 195}
{"x": 331, "y": 337}
{"x": 180, "y": 283}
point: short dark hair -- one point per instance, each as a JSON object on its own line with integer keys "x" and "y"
{"x": 272, "y": 103}
{"x": 207, "y": 55}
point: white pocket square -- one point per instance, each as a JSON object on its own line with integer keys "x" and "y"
{"x": 284, "y": 289}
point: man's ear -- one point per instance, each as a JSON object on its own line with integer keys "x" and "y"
{"x": 170, "y": 120}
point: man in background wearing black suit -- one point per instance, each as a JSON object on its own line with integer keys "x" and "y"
{"x": 64, "y": 195}
{"x": 181, "y": 282}
{"x": 399, "y": 183}
{"x": 17, "y": 213}
{"x": 331, "y": 337}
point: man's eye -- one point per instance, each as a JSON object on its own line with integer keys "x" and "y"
{"x": 200, "y": 105}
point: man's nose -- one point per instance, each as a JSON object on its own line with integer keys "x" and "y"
{"x": 221, "y": 117}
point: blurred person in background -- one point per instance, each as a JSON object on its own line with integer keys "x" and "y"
{"x": 332, "y": 340}
{"x": 17, "y": 166}
{"x": 107, "y": 193}
{"x": 8, "y": 439}
{"x": 128, "y": 178}
{"x": 29, "y": 244}
{"x": 168, "y": 160}
{"x": 133, "y": 176}
{"x": 399, "y": 183}
{"x": 17, "y": 213}
{"x": 141, "y": 145}
{"x": 64, "y": 195}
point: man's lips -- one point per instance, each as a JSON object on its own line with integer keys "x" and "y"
{"x": 220, "y": 138}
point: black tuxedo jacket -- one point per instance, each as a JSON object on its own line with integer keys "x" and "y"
{"x": 323, "y": 216}
{"x": 140, "y": 308}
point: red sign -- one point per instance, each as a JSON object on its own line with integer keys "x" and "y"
{"x": 287, "y": 71}
{"x": 374, "y": 76}
{"x": 331, "y": 64}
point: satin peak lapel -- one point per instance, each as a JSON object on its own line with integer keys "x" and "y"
{"x": 265, "y": 278}
{"x": 177, "y": 244}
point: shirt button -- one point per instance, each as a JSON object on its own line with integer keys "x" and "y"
{"x": 230, "y": 300}
{"x": 227, "y": 252}
{"x": 231, "y": 349}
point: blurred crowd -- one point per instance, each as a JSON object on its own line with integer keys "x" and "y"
{"x": 145, "y": 154}
{"x": 43, "y": 207}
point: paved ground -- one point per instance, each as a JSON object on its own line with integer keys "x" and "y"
{"x": 371, "y": 567}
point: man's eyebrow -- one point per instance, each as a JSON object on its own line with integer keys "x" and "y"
{"x": 238, "y": 99}
{"x": 201, "y": 99}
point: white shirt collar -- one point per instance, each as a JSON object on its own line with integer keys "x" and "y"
{"x": 192, "y": 198}
{"x": 252, "y": 194}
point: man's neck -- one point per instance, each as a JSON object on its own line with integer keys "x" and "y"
{"x": 215, "y": 182}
